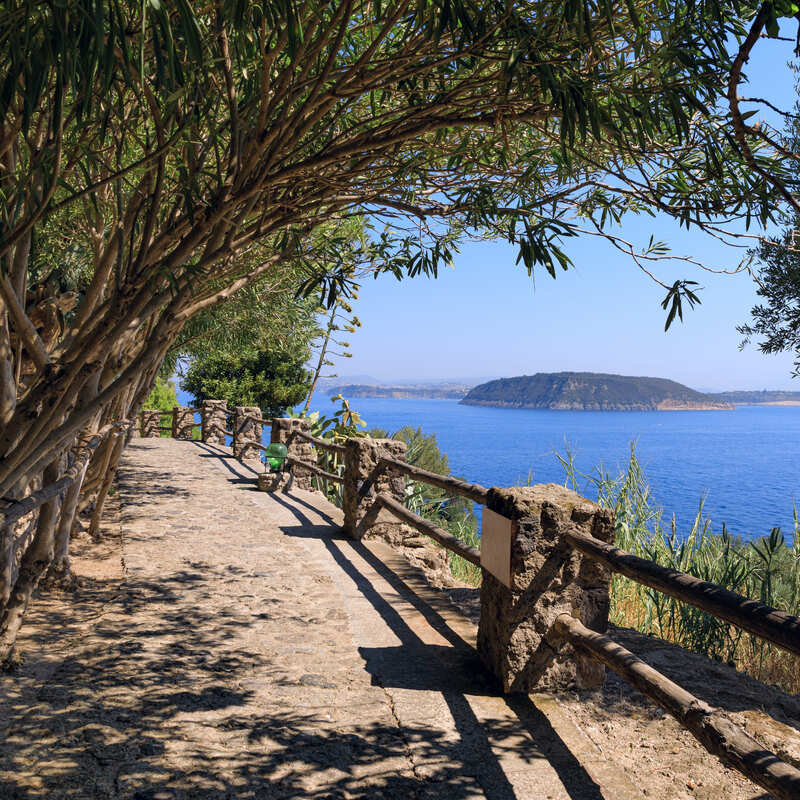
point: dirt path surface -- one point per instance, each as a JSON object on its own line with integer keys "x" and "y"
{"x": 226, "y": 643}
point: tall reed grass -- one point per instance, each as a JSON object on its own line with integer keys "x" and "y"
{"x": 767, "y": 569}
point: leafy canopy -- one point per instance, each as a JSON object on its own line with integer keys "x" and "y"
{"x": 272, "y": 380}
{"x": 185, "y": 151}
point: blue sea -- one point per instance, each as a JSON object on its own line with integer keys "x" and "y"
{"x": 744, "y": 463}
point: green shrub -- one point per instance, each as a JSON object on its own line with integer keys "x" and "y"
{"x": 164, "y": 398}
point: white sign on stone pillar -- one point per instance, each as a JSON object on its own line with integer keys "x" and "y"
{"x": 496, "y": 545}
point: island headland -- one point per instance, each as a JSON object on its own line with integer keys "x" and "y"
{"x": 591, "y": 391}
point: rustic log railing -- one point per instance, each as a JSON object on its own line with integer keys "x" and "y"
{"x": 776, "y": 626}
{"x": 716, "y": 733}
{"x": 309, "y": 458}
{"x": 317, "y": 441}
{"x": 84, "y": 450}
{"x": 472, "y": 491}
{"x": 253, "y": 418}
{"x": 447, "y": 540}
{"x": 329, "y": 476}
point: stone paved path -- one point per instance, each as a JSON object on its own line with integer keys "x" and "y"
{"x": 252, "y": 652}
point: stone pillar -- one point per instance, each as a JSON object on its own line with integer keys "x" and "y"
{"x": 182, "y": 422}
{"x": 214, "y": 416}
{"x": 548, "y": 578}
{"x": 361, "y": 485}
{"x": 283, "y": 431}
{"x": 151, "y": 423}
{"x": 244, "y": 429}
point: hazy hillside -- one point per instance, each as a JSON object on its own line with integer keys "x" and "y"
{"x": 590, "y": 391}
{"x": 764, "y": 398}
{"x": 430, "y": 391}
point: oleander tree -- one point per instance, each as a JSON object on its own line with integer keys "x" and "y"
{"x": 340, "y": 321}
{"x": 157, "y": 158}
{"x": 775, "y": 320}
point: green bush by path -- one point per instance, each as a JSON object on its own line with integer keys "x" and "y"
{"x": 164, "y": 398}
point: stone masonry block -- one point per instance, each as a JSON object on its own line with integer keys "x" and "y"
{"x": 548, "y": 578}
{"x": 284, "y": 431}
{"x": 182, "y": 422}
{"x": 362, "y": 483}
{"x": 275, "y": 481}
{"x": 214, "y": 415}
{"x": 151, "y": 422}
{"x": 246, "y": 429}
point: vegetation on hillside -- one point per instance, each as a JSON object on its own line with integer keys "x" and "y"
{"x": 453, "y": 514}
{"x": 445, "y": 391}
{"x": 589, "y": 391}
{"x": 163, "y": 398}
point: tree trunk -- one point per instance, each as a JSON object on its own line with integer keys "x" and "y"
{"x": 110, "y": 472}
{"x": 36, "y": 560}
{"x": 6, "y": 562}
{"x": 11, "y": 535}
{"x": 8, "y": 384}
{"x": 60, "y": 568}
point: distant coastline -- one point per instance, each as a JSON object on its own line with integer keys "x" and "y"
{"x": 419, "y": 392}
{"x": 618, "y": 407}
{"x": 565, "y": 391}
{"x": 759, "y": 398}
{"x": 592, "y": 391}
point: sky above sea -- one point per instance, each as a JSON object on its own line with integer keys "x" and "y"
{"x": 486, "y": 318}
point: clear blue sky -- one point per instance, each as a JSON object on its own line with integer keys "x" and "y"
{"x": 486, "y": 318}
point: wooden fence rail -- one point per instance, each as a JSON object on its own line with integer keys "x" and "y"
{"x": 447, "y": 540}
{"x": 329, "y": 476}
{"x": 20, "y": 508}
{"x": 472, "y": 491}
{"x": 753, "y": 616}
{"x": 716, "y": 733}
{"x": 324, "y": 444}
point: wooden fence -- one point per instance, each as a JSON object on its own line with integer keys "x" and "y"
{"x": 368, "y": 474}
{"x": 14, "y": 510}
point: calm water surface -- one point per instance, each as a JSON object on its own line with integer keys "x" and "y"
{"x": 745, "y": 462}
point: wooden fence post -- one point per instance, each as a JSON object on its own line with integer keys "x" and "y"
{"x": 283, "y": 431}
{"x": 362, "y": 482}
{"x": 182, "y": 422}
{"x": 246, "y": 428}
{"x": 151, "y": 423}
{"x": 535, "y": 576}
{"x": 214, "y": 415}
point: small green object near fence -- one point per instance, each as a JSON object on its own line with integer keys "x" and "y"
{"x": 275, "y": 455}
